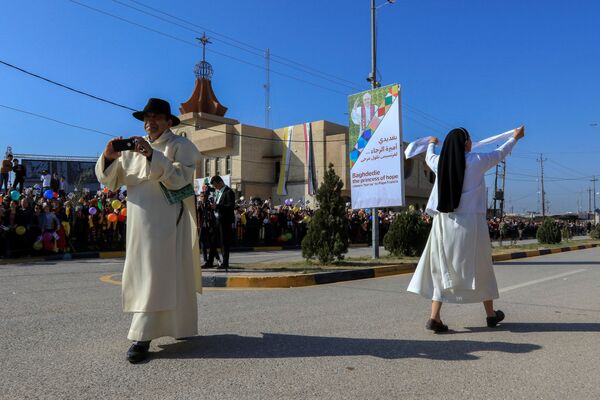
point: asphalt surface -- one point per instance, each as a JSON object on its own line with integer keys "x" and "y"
{"x": 63, "y": 336}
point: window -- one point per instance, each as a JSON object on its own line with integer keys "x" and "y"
{"x": 408, "y": 167}
{"x": 217, "y": 166}
{"x": 277, "y": 170}
{"x": 207, "y": 167}
{"x": 228, "y": 165}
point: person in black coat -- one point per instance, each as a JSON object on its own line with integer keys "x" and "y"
{"x": 223, "y": 207}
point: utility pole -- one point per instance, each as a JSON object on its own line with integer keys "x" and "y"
{"x": 267, "y": 87}
{"x": 374, "y": 84}
{"x": 593, "y": 180}
{"x": 589, "y": 202}
{"x": 543, "y": 193}
{"x": 499, "y": 191}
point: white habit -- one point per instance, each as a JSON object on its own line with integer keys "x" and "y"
{"x": 162, "y": 264}
{"x": 456, "y": 265}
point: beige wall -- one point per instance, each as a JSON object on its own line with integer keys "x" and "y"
{"x": 253, "y": 160}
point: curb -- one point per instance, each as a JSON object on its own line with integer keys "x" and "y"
{"x": 320, "y": 278}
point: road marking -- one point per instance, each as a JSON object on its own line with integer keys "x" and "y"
{"x": 535, "y": 282}
{"x": 110, "y": 279}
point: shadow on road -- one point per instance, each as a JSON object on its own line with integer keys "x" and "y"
{"x": 272, "y": 345}
{"x": 525, "y": 327}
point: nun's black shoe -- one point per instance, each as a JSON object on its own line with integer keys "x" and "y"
{"x": 138, "y": 352}
{"x": 436, "y": 327}
{"x": 493, "y": 321}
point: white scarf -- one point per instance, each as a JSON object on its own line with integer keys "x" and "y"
{"x": 420, "y": 145}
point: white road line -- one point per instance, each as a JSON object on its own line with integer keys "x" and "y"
{"x": 535, "y": 282}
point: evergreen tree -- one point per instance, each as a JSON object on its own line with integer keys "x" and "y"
{"x": 327, "y": 237}
{"x": 407, "y": 235}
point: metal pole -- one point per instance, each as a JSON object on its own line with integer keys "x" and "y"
{"x": 374, "y": 84}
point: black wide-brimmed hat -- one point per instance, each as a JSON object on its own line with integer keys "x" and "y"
{"x": 157, "y": 106}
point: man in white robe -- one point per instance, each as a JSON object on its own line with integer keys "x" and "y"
{"x": 162, "y": 264}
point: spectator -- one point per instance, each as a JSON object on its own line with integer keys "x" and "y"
{"x": 62, "y": 187}
{"x": 20, "y": 173}
{"x": 4, "y": 171}
{"x": 54, "y": 182}
{"x": 46, "y": 179}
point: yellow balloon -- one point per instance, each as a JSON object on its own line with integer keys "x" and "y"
{"x": 20, "y": 230}
{"x": 38, "y": 246}
{"x": 116, "y": 204}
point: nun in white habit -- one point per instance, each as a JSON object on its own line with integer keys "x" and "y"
{"x": 456, "y": 264}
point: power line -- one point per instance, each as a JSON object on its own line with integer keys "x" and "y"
{"x": 406, "y": 105}
{"x": 57, "y": 121}
{"x": 65, "y": 86}
{"x": 255, "y": 51}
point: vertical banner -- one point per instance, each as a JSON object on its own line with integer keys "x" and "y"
{"x": 310, "y": 160}
{"x": 376, "y": 156}
{"x": 286, "y": 154}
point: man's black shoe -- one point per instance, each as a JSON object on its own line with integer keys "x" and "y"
{"x": 138, "y": 352}
{"x": 493, "y": 321}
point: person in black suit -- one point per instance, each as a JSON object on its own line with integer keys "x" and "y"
{"x": 223, "y": 207}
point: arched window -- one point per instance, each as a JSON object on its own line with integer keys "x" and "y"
{"x": 217, "y": 166}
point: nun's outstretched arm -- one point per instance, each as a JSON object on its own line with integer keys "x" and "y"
{"x": 431, "y": 158}
{"x": 485, "y": 161}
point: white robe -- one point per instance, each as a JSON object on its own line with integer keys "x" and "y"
{"x": 162, "y": 264}
{"x": 456, "y": 264}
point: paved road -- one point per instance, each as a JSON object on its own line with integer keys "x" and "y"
{"x": 62, "y": 336}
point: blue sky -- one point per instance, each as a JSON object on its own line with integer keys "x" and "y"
{"x": 487, "y": 66}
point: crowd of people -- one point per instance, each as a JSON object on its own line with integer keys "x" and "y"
{"x": 41, "y": 222}
{"x": 510, "y": 230}
{"x": 44, "y": 220}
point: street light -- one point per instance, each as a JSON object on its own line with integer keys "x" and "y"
{"x": 375, "y": 84}
{"x": 372, "y": 78}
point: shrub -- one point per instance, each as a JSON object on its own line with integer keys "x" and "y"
{"x": 407, "y": 234}
{"x": 548, "y": 232}
{"x": 327, "y": 236}
{"x": 595, "y": 232}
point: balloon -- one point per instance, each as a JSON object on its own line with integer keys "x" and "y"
{"x": 15, "y": 195}
{"x": 20, "y": 230}
{"x": 116, "y": 204}
{"x": 295, "y": 209}
{"x": 48, "y": 194}
{"x": 1, "y": 199}
{"x": 112, "y": 217}
{"x": 55, "y": 195}
{"x": 38, "y": 246}
{"x": 122, "y": 217}
{"x": 288, "y": 235}
{"x": 306, "y": 219}
{"x": 93, "y": 211}
{"x": 124, "y": 211}
{"x": 105, "y": 190}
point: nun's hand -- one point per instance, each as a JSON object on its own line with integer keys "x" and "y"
{"x": 519, "y": 133}
{"x": 434, "y": 140}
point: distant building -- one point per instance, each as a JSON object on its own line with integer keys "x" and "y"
{"x": 252, "y": 156}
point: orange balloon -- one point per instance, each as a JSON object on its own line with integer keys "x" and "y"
{"x": 112, "y": 217}
{"x": 124, "y": 212}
